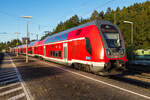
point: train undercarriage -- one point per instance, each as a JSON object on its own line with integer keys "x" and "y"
{"x": 114, "y": 67}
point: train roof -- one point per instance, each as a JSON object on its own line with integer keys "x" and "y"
{"x": 63, "y": 35}
{"x": 56, "y": 38}
{"x": 38, "y": 43}
{"x": 32, "y": 43}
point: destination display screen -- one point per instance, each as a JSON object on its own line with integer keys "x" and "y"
{"x": 108, "y": 29}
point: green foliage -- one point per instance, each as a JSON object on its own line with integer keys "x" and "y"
{"x": 139, "y": 14}
{"x": 9, "y": 44}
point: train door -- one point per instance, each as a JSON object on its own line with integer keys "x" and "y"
{"x": 65, "y": 52}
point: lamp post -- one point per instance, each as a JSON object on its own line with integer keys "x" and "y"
{"x": 129, "y": 22}
{"x": 27, "y": 17}
{"x": 17, "y": 41}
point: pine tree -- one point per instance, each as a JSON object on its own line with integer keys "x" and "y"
{"x": 94, "y": 15}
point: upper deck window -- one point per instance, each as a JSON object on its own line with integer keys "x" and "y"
{"x": 65, "y": 36}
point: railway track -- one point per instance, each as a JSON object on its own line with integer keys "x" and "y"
{"x": 139, "y": 73}
{"x": 136, "y": 78}
{"x": 140, "y": 77}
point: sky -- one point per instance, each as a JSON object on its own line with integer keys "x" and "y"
{"x": 46, "y": 14}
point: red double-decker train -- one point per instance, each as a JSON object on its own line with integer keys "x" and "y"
{"x": 97, "y": 46}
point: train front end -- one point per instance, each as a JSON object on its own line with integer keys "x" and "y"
{"x": 114, "y": 47}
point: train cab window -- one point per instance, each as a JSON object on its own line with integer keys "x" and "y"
{"x": 88, "y": 45}
{"x": 111, "y": 35}
{"x": 59, "y": 54}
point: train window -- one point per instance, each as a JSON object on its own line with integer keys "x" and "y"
{"x": 88, "y": 45}
{"x": 35, "y": 48}
{"x": 55, "y": 39}
{"x": 65, "y": 36}
{"x": 56, "y": 52}
{"x": 53, "y": 53}
{"x": 59, "y": 54}
{"x": 58, "y": 39}
{"x": 41, "y": 48}
{"x": 61, "y": 37}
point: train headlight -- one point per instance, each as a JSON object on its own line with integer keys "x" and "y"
{"x": 102, "y": 54}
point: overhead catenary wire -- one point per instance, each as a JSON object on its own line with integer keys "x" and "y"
{"x": 100, "y": 6}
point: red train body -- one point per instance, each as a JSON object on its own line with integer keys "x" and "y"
{"x": 97, "y": 46}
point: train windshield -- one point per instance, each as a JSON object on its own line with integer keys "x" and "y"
{"x": 111, "y": 35}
